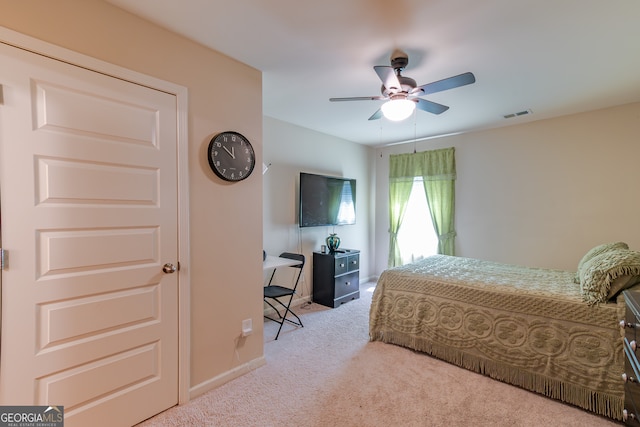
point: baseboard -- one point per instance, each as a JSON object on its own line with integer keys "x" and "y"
{"x": 224, "y": 378}
{"x": 370, "y": 279}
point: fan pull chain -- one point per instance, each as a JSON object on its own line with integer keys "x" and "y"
{"x": 415, "y": 132}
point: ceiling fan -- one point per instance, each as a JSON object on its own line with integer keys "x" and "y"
{"x": 403, "y": 95}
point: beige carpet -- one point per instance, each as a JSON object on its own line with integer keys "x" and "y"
{"x": 329, "y": 374}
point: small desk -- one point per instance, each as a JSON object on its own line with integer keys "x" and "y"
{"x": 276, "y": 261}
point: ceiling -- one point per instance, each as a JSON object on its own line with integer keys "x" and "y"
{"x": 550, "y": 57}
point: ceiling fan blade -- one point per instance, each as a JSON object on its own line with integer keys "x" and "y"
{"x": 376, "y": 115}
{"x": 388, "y": 76}
{"x": 358, "y": 98}
{"x": 444, "y": 84}
{"x": 431, "y": 107}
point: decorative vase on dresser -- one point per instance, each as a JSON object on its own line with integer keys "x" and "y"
{"x": 333, "y": 242}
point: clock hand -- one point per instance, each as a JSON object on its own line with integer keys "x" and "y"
{"x": 231, "y": 153}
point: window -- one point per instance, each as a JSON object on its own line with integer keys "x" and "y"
{"x": 438, "y": 170}
{"x": 416, "y": 237}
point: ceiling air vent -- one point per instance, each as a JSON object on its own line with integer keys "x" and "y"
{"x": 520, "y": 113}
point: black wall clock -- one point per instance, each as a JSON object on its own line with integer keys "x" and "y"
{"x": 231, "y": 156}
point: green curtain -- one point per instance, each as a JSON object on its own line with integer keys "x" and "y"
{"x": 438, "y": 171}
{"x": 399, "y": 192}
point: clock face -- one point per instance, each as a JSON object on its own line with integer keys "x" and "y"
{"x": 231, "y": 156}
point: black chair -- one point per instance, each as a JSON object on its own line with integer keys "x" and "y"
{"x": 276, "y": 292}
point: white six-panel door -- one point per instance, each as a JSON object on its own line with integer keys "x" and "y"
{"x": 89, "y": 219}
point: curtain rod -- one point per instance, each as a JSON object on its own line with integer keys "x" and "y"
{"x": 420, "y": 140}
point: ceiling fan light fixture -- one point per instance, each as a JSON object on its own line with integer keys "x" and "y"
{"x": 398, "y": 109}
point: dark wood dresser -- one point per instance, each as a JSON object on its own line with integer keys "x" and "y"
{"x": 631, "y": 375}
{"x": 336, "y": 277}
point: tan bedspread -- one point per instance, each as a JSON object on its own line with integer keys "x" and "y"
{"x": 525, "y": 326}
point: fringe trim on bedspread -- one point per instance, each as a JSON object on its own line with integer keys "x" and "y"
{"x": 599, "y": 403}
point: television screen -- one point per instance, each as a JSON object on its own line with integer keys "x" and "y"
{"x": 326, "y": 200}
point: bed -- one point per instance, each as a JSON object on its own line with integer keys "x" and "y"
{"x": 539, "y": 329}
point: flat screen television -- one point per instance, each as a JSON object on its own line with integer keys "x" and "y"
{"x": 326, "y": 200}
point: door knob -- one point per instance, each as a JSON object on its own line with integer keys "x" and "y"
{"x": 169, "y": 268}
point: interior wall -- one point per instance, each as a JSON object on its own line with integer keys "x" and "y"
{"x": 226, "y": 232}
{"x": 290, "y": 150}
{"x": 539, "y": 194}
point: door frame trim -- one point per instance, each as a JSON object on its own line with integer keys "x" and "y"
{"x": 22, "y": 41}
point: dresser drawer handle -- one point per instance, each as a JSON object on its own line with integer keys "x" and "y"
{"x": 347, "y": 283}
{"x": 623, "y": 324}
{"x": 354, "y": 262}
{"x": 627, "y": 416}
{"x": 342, "y": 265}
{"x": 627, "y": 378}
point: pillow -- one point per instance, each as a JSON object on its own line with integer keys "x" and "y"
{"x": 620, "y": 284}
{"x": 608, "y": 273}
{"x": 597, "y": 250}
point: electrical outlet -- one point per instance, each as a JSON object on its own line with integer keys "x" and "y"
{"x": 247, "y": 327}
